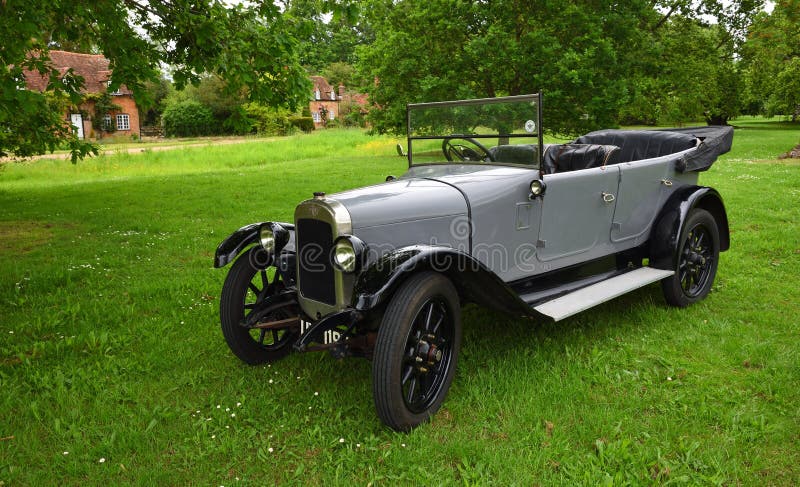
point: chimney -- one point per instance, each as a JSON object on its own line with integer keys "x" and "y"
{"x": 341, "y": 91}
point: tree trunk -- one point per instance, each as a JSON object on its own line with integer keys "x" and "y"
{"x": 717, "y": 119}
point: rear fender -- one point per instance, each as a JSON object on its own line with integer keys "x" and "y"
{"x": 241, "y": 239}
{"x": 473, "y": 280}
{"x": 663, "y": 246}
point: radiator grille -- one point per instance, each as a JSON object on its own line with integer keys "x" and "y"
{"x": 316, "y": 273}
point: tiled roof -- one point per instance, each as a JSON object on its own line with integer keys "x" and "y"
{"x": 322, "y": 85}
{"x": 93, "y": 67}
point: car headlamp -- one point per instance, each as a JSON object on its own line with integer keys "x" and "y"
{"x": 348, "y": 253}
{"x": 272, "y": 237}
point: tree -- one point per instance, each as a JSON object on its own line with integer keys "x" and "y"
{"x": 593, "y": 59}
{"x": 771, "y": 57}
{"x": 329, "y": 39}
{"x": 576, "y": 52}
{"x": 687, "y": 72}
{"x": 253, "y": 47}
{"x": 156, "y": 92}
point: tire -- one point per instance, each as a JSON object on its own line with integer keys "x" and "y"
{"x": 241, "y": 290}
{"x": 416, "y": 351}
{"x": 696, "y": 264}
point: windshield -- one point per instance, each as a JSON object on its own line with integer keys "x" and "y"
{"x": 491, "y": 130}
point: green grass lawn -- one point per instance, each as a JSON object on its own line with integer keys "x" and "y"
{"x": 113, "y": 369}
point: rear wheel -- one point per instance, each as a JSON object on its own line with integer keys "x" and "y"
{"x": 416, "y": 351}
{"x": 246, "y": 286}
{"x": 696, "y": 266}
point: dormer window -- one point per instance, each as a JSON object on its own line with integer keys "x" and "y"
{"x": 333, "y": 95}
{"x": 317, "y": 94}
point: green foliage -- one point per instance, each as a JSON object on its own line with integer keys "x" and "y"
{"x": 306, "y": 124}
{"x": 339, "y": 73}
{"x": 187, "y": 118}
{"x": 596, "y": 62}
{"x": 771, "y": 59}
{"x": 688, "y": 73}
{"x": 327, "y": 40}
{"x": 269, "y": 121}
{"x": 571, "y": 51}
{"x": 157, "y": 93}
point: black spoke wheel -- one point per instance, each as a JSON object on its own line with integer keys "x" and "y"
{"x": 416, "y": 351}
{"x": 460, "y": 152}
{"x": 696, "y": 263}
{"x": 247, "y": 284}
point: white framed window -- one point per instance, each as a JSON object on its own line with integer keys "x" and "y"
{"x": 123, "y": 121}
{"x": 316, "y": 117}
{"x": 331, "y": 115}
{"x": 317, "y": 94}
{"x": 333, "y": 95}
{"x": 107, "y": 122}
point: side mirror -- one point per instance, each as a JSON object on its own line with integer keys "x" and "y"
{"x": 400, "y": 151}
{"x": 537, "y": 189}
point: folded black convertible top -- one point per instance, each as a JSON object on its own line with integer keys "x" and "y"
{"x": 715, "y": 140}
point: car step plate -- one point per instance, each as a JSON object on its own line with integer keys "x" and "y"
{"x": 603, "y": 291}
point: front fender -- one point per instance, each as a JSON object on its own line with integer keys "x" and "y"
{"x": 664, "y": 237}
{"x": 238, "y": 240}
{"x": 474, "y": 281}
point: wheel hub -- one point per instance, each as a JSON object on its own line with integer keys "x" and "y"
{"x": 428, "y": 354}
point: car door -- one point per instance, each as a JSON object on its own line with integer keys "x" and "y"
{"x": 642, "y": 190}
{"x": 577, "y": 210}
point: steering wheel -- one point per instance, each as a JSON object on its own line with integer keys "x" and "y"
{"x": 462, "y": 152}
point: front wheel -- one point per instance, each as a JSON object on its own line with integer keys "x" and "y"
{"x": 245, "y": 287}
{"x": 416, "y": 351}
{"x": 696, "y": 266}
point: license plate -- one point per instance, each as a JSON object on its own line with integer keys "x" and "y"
{"x": 330, "y": 336}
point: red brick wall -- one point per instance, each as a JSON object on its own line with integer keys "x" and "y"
{"x": 128, "y": 106}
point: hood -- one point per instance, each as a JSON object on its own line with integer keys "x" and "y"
{"x": 403, "y": 200}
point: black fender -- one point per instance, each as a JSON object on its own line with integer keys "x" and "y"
{"x": 474, "y": 281}
{"x": 238, "y": 241}
{"x": 663, "y": 243}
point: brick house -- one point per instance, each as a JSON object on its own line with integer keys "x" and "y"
{"x": 328, "y": 103}
{"x": 94, "y": 68}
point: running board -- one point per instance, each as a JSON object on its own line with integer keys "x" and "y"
{"x": 584, "y": 298}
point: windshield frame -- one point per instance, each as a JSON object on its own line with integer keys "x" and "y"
{"x": 537, "y": 97}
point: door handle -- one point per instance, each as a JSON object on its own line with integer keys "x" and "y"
{"x": 608, "y": 197}
{"x": 666, "y": 182}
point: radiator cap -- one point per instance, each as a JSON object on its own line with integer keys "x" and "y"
{"x": 319, "y": 195}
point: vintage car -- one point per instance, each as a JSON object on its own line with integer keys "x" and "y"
{"x": 486, "y": 213}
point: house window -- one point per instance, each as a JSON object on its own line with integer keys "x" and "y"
{"x": 331, "y": 115}
{"x": 315, "y": 116}
{"x": 333, "y": 95}
{"x": 123, "y": 122}
{"x": 107, "y": 122}
{"x": 317, "y": 94}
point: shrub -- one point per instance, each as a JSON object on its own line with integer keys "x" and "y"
{"x": 187, "y": 118}
{"x": 269, "y": 121}
{"x": 306, "y": 124}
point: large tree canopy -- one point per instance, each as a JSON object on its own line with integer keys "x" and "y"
{"x": 441, "y": 49}
{"x": 252, "y": 46}
{"x": 772, "y": 61}
{"x": 593, "y": 59}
